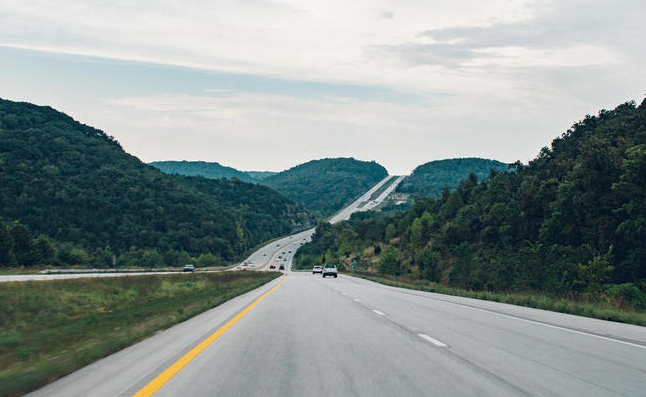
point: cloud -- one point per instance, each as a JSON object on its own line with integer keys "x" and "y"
{"x": 425, "y": 80}
{"x": 568, "y": 34}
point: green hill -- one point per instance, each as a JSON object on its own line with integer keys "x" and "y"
{"x": 260, "y": 175}
{"x": 210, "y": 170}
{"x": 431, "y": 178}
{"x": 326, "y": 185}
{"x": 570, "y": 223}
{"x": 74, "y": 184}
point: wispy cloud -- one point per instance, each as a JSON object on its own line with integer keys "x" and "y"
{"x": 496, "y": 78}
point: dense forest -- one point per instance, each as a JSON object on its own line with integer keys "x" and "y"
{"x": 325, "y": 186}
{"x": 75, "y": 185}
{"x": 211, "y": 170}
{"x": 571, "y": 223}
{"x": 431, "y": 178}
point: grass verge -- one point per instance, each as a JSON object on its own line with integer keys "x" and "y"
{"x": 598, "y": 310}
{"x": 51, "y": 328}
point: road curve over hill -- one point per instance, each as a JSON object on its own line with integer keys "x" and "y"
{"x": 281, "y": 251}
{"x": 302, "y": 335}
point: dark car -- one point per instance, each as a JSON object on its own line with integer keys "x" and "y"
{"x": 189, "y": 268}
{"x": 272, "y": 266}
{"x": 281, "y": 267}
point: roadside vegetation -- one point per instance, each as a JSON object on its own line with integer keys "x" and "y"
{"x": 569, "y": 225}
{"x": 51, "y": 328}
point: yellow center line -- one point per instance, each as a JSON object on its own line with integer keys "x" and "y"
{"x": 161, "y": 379}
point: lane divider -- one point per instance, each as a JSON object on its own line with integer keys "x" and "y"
{"x": 378, "y": 312}
{"x": 177, "y": 366}
{"x": 432, "y": 340}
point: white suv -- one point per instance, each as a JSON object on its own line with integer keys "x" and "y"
{"x": 317, "y": 269}
{"x": 329, "y": 270}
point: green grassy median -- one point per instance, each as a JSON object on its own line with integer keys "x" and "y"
{"x": 51, "y": 328}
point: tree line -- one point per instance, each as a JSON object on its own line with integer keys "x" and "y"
{"x": 76, "y": 185}
{"x": 570, "y": 223}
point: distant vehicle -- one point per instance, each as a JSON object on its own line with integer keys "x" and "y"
{"x": 272, "y": 266}
{"x": 283, "y": 252}
{"x": 264, "y": 254}
{"x": 329, "y": 270}
{"x": 289, "y": 252}
{"x": 301, "y": 243}
{"x": 317, "y": 269}
{"x": 281, "y": 267}
{"x": 189, "y": 268}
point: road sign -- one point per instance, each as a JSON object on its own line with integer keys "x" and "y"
{"x": 354, "y": 264}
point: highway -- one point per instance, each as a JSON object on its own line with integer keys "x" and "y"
{"x": 281, "y": 251}
{"x": 350, "y": 337}
{"x": 302, "y": 335}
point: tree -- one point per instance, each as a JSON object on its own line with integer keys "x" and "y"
{"x": 427, "y": 262}
{"x": 45, "y": 251}
{"x": 24, "y": 249}
{"x": 417, "y": 233}
{"x": 389, "y": 261}
{"x": 6, "y": 256}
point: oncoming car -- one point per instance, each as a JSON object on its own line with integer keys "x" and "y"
{"x": 329, "y": 270}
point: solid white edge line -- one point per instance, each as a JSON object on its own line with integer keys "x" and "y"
{"x": 432, "y": 340}
{"x": 357, "y": 300}
{"x": 544, "y": 324}
{"x": 378, "y": 312}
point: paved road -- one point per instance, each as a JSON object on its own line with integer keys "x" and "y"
{"x": 281, "y": 251}
{"x": 347, "y": 336}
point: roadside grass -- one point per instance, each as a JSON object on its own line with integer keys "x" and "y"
{"x": 49, "y": 329}
{"x": 599, "y": 310}
{"x": 12, "y": 271}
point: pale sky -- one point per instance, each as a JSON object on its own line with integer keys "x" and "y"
{"x": 266, "y": 85}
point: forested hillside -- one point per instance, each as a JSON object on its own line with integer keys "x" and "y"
{"x": 212, "y": 170}
{"x": 326, "y": 185}
{"x": 75, "y": 185}
{"x": 432, "y": 178}
{"x": 571, "y": 222}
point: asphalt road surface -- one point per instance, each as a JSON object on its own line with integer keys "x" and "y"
{"x": 302, "y": 335}
{"x": 350, "y": 337}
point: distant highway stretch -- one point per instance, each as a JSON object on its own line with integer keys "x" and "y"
{"x": 282, "y": 251}
{"x": 259, "y": 260}
{"x": 302, "y": 335}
